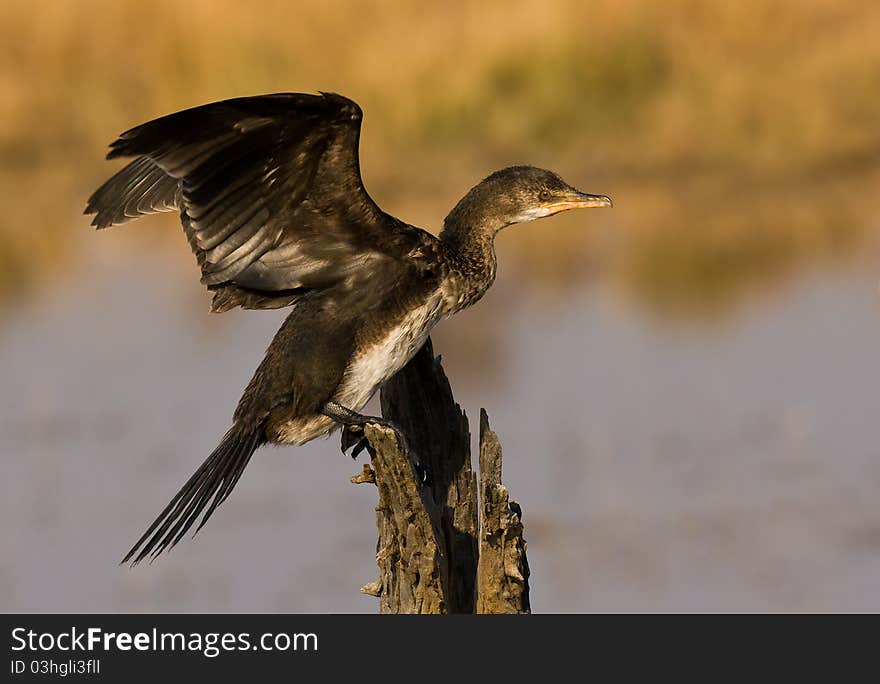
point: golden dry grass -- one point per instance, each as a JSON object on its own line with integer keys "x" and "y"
{"x": 738, "y": 139}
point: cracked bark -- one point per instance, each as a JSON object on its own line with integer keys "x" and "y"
{"x": 432, "y": 555}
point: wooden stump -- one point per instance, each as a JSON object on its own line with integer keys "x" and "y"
{"x": 432, "y": 554}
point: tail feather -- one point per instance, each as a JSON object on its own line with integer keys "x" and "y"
{"x": 206, "y": 489}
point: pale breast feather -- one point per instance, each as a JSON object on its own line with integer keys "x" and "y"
{"x": 373, "y": 366}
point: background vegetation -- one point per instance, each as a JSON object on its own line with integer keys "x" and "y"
{"x": 739, "y": 140}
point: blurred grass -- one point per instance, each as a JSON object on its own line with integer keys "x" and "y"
{"x": 740, "y": 141}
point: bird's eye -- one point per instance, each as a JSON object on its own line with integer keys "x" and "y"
{"x": 544, "y": 195}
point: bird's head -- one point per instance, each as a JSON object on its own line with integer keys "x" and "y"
{"x": 517, "y": 194}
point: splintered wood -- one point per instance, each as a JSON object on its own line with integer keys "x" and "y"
{"x": 433, "y": 554}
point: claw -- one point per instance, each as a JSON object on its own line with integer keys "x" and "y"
{"x": 353, "y": 438}
{"x": 423, "y": 477}
{"x": 352, "y": 435}
{"x": 363, "y": 443}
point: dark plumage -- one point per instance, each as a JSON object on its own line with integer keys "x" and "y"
{"x": 272, "y": 203}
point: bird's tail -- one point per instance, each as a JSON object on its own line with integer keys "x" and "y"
{"x": 206, "y": 489}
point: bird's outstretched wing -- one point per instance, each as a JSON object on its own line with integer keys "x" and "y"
{"x": 269, "y": 191}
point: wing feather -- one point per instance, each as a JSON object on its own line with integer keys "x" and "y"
{"x": 140, "y": 188}
{"x": 269, "y": 190}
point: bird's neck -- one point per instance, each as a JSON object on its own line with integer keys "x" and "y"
{"x": 470, "y": 254}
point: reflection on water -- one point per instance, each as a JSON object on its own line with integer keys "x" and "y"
{"x": 734, "y": 468}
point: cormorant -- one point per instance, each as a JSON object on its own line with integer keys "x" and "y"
{"x": 271, "y": 200}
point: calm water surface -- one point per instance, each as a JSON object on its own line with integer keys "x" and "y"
{"x": 732, "y": 467}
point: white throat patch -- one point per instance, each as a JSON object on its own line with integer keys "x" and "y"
{"x": 532, "y": 214}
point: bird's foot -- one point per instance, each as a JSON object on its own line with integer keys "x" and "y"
{"x": 354, "y": 437}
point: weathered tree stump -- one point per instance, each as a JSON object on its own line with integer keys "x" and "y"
{"x": 503, "y": 570}
{"x": 433, "y": 555}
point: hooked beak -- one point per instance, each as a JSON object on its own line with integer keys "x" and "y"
{"x": 579, "y": 200}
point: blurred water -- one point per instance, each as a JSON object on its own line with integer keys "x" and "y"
{"x": 732, "y": 468}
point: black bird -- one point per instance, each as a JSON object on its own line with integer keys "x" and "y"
{"x": 271, "y": 200}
